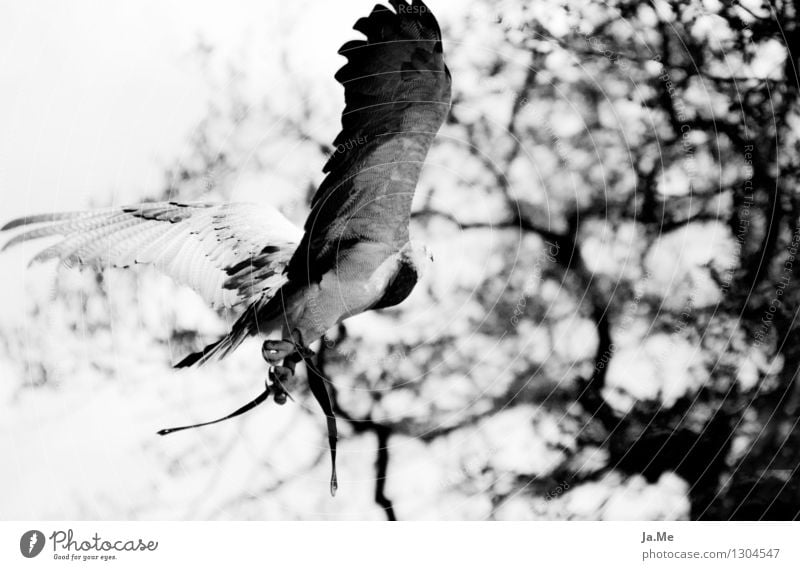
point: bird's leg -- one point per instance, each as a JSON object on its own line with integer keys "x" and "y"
{"x": 282, "y": 357}
{"x": 286, "y": 352}
{"x": 275, "y": 353}
{"x": 279, "y": 377}
{"x": 303, "y": 352}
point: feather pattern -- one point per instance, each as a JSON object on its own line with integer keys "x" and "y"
{"x": 228, "y": 253}
{"x": 397, "y": 95}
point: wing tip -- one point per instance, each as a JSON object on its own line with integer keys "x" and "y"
{"x": 372, "y": 25}
{"x": 25, "y": 221}
{"x": 48, "y": 217}
{"x": 21, "y": 238}
{"x": 12, "y": 224}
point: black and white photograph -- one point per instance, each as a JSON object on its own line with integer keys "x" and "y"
{"x": 476, "y": 260}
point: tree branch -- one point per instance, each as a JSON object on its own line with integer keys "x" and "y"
{"x": 514, "y": 222}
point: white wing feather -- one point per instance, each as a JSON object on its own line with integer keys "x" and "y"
{"x": 229, "y": 253}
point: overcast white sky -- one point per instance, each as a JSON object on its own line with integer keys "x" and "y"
{"x": 95, "y": 96}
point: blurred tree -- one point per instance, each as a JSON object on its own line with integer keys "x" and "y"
{"x": 636, "y": 166}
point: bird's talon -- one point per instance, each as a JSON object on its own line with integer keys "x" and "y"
{"x": 280, "y": 376}
{"x": 274, "y": 351}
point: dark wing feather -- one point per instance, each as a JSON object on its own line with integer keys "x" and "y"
{"x": 397, "y": 95}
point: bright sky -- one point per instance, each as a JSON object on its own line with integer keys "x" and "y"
{"x": 96, "y": 96}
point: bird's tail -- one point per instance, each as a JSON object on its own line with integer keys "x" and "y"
{"x": 215, "y": 350}
{"x": 260, "y": 316}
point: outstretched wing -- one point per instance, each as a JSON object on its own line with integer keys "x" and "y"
{"x": 397, "y": 94}
{"x": 229, "y": 253}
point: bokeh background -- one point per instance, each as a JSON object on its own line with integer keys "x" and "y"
{"x": 608, "y": 330}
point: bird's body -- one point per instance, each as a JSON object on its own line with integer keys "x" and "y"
{"x": 351, "y": 288}
{"x": 358, "y": 281}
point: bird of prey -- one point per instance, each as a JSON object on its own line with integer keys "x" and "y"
{"x": 353, "y": 253}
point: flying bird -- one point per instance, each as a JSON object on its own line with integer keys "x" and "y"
{"x": 353, "y": 254}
